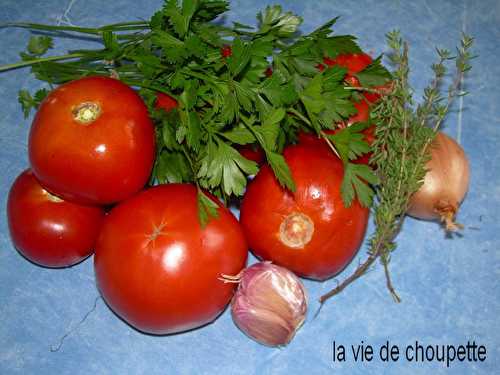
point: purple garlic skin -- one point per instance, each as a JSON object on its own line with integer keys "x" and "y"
{"x": 270, "y": 304}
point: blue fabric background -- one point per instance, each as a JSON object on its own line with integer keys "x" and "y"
{"x": 449, "y": 287}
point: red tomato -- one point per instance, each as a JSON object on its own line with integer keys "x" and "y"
{"x": 92, "y": 141}
{"x": 252, "y": 152}
{"x": 158, "y": 269}
{"x": 353, "y": 62}
{"x": 48, "y": 230}
{"x": 363, "y": 114}
{"x": 312, "y": 140}
{"x": 373, "y": 97}
{"x": 304, "y": 138}
{"x": 164, "y": 101}
{"x": 352, "y": 81}
{"x": 226, "y": 51}
{"x": 310, "y": 231}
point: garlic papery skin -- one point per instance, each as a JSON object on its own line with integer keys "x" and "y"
{"x": 270, "y": 304}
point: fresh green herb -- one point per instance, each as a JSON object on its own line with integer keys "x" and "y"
{"x": 401, "y": 148}
{"x": 207, "y": 208}
{"x": 225, "y": 98}
{"x": 29, "y": 102}
{"x": 349, "y": 145}
{"x": 374, "y": 74}
{"x": 37, "y": 46}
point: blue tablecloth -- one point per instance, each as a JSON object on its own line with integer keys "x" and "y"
{"x": 449, "y": 287}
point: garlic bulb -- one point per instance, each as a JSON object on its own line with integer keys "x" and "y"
{"x": 270, "y": 304}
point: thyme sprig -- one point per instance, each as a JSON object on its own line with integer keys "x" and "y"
{"x": 401, "y": 148}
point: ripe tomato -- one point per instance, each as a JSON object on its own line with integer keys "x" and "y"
{"x": 353, "y": 62}
{"x": 48, "y": 230}
{"x": 352, "y": 81}
{"x": 164, "y": 101}
{"x": 92, "y": 141}
{"x": 158, "y": 269}
{"x": 252, "y": 152}
{"x": 373, "y": 97}
{"x": 362, "y": 114}
{"x": 226, "y": 51}
{"x": 310, "y": 231}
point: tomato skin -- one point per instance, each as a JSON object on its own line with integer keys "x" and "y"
{"x": 226, "y": 51}
{"x": 252, "y": 152}
{"x": 362, "y": 114}
{"x": 309, "y": 139}
{"x": 312, "y": 140}
{"x": 338, "y": 231}
{"x": 353, "y": 62}
{"x": 101, "y": 162}
{"x": 47, "y": 232}
{"x": 352, "y": 81}
{"x": 373, "y": 97}
{"x": 158, "y": 269}
{"x": 165, "y": 102}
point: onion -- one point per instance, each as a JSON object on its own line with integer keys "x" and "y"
{"x": 445, "y": 184}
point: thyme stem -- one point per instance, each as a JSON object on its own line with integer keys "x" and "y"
{"x": 401, "y": 150}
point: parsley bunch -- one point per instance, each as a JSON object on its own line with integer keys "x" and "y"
{"x": 224, "y": 101}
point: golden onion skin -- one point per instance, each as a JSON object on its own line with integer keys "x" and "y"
{"x": 445, "y": 184}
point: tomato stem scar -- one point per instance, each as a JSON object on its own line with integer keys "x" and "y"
{"x": 296, "y": 230}
{"x": 86, "y": 113}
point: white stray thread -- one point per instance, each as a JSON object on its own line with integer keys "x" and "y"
{"x": 64, "y": 18}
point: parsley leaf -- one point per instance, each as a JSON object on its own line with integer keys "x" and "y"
{"x": 29, "y": 102}
{"x": 374, "y": 74}
{"x": 337, "y": 45}
{"x": 173, "y": 167}
{"x": 268, "y": 133}
{"x": 240, "y": 57}
{"x": 39, "y": 45}
{"x": 224, "y": 166}
{"x": 207, "y": 208}
{"x": 273, "y": 19}
{"x": 349, "y": 142}
{"x": 281, "y": 170}
{"x": 354, "y": 183}
{"x": 240, "y": 135}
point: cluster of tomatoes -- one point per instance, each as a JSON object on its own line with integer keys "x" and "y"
{"x": 91, "y": 150}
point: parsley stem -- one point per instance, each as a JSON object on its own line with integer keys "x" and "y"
{"x": 153, "y": 87}
{"x": 300, "y": 116}
{"x": 198, "y": 75}
{"x": 39, "y": 60}
{"x": 122, "y": 26}
{"x": 330, "y": 144}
